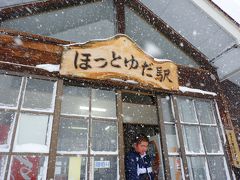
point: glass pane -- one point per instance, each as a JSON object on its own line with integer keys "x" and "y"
{"x": 28, "y": 167}
{"x": 205, "y": 112}
{"x": 175, "y": 167}
{"x": 3, "y": 161}
{"x": 75, "y": 100}
{"x": 9, "y": 90}
{"x": 6, "y": 128}
{"x": 155, "y": 153}
{"x": 192, "y": 139}
{"x": 212, "y": 144}
{"x": 153, "y": 42}
{"x": 171, "y": 138}
{"x": 166, "y": 109}
{"x": 139, "y": 109}
{"x": 103, "y": 103}
{"x": 186, "y": 110}
{"x": 105, "y": 167}
{"x": 197, "y": 167}
{"x": 218, "y": 168}
{"x": 73, "y": 134}
{"x": 104, "y": 136}
{"x": 39, "y": 94}
{"x": 71, "y": 168}
{"x": 75, "y": 23}
{"x": 139, "y": 113}
{"x": 33, "y": 133}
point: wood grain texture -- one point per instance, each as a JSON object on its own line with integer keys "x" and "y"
{"x": 118, "y": 57}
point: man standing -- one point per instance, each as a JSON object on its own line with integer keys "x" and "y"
{"x": 137, "y": 162}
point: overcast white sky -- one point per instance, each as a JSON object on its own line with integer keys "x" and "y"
{"x": 231, "y": 7}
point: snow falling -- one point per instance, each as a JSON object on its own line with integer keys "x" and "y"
{"x": 63, "y": 127}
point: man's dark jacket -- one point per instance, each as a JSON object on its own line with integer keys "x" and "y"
{"x": 135, "y": 164}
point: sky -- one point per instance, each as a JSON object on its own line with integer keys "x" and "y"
{"x": 231, "y": 7}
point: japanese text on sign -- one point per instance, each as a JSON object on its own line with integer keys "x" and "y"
{"x": 84, "y": 60}
{"x": 120, "y": 59}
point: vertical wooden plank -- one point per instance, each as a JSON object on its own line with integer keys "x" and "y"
{"x": 180, "y": 138}
{"x": 89, "y": 143}
{"x": 55, "y": 128}
{"x": 120, "y": 16}
{"x": 121, "y": 153}
{"x": 163, "y": 139}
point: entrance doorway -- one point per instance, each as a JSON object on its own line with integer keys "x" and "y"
{"x": 140, "y": 117}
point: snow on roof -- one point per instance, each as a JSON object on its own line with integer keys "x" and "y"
{"x": 49, "y": 67}
{"x": 187, "y": 89}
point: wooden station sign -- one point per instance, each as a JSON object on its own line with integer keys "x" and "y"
{"x": 118, "y": 58}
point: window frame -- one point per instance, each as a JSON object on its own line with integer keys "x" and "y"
{"x": 52, "y": 155}
{"x": 57, "y": 117}
{"x": 217, "y": 118}
{"x": 18, "y": 110}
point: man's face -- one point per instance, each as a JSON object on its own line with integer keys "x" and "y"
{"x": 141, "y": 148}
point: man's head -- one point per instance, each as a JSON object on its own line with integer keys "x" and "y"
{"x": 141, "y": 144}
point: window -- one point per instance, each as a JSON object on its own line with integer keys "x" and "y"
{"x": 75, "y": 101}
{"x": 212, "y": 144}
{"x": 88, "y": 132}
{"x": 105, "y": 167}
{"x": 171, "y": 137}
{"x": 6, "y": 129}
{"x": 73, "y": 135}
{"x": 218, "y": 167}
{"x": 39, "y": 95}
{"x": 205, "y": 112}
{"x": 203, "y": 147}
{"x": 139, "y": 109}
{"x": 153, "y": 42}
{"x": 104, "y": 136}
{"x": 199, "y": 132}
{"x": 32, "y": 133}
{"x": 9, "y": 93}
{"x": 186, "y": 111}
{"x": 77, "y": 23}
{"x": 70, "y": 168}
{"x": 192, "y": 139}
{"x": 198, "y": 168}
{"x": 175, "y": 161}
{"x": 87, "y": 141}
{"x": 103, "y": 104}
{"x": 28, "y": 167}
{"x": 26, "y": 110}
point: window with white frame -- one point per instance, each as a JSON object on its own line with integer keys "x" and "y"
{"x": 198, "y": 121}
{"x": 26, "y": 110}
{"x": 87, "y": 139}
{"x": 203, "y": 147}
